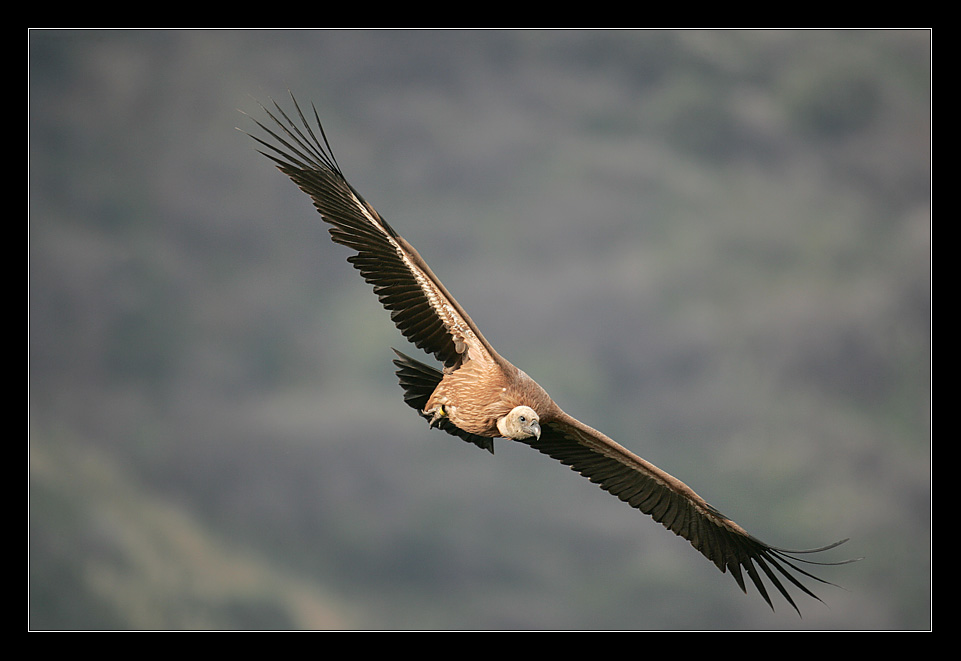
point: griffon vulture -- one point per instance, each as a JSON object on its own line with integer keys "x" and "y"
{"x": 479, "y": 396}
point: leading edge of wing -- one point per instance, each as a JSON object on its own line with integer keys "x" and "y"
{"x": 677, "y": 507}
{"x": 420, "y": 306}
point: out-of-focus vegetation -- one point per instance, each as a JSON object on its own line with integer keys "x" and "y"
{"x": 713, "y": 245}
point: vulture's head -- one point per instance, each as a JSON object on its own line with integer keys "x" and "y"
{"x": 521, "y": 422}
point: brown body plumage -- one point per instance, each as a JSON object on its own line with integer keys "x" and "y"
{"x": 479, "y": 396}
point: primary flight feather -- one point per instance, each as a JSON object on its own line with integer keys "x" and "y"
{"x": 479, "y": 396}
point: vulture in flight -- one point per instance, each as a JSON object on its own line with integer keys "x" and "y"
{"x": 479, "y": 396}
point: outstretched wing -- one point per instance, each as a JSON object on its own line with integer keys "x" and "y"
{"x": 674, "y": 505}
{"x": 419, "y": 304}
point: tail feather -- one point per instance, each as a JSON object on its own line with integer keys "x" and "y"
{"x": 419, "y": 381}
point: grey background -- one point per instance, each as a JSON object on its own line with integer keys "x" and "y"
{"x": 715, "y": 246}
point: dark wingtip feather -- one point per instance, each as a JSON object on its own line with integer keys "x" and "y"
{"x": 771, "y": 558}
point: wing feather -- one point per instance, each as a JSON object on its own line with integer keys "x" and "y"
{"x": 421, "y": 308}
{"x": 676, "y": 506}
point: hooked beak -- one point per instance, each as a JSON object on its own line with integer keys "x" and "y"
{"x": 536, "y": 429}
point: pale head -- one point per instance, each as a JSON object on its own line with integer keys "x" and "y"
{"x": 522, "y": 422}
